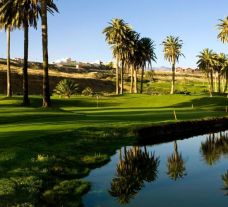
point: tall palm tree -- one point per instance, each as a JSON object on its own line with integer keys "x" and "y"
{"x": 46, "y": 87}
{"x": 24, "y": 14}
{"x": 116, "y": 35}
{"x": 131, "y": 54}
{"x": 136, "y": 60}
{"x": 21, "y": 14}
{"x": 206, "y": 63}
{"x": 9, "y": 81}
{"x": 223, "y": 30}
{"x": 172, "y": 53}
{"x": 220, "y": 68}
{"x": 223, "y": 36}
{"x": 8, "y": 27}
{"x": 148, "y": 55}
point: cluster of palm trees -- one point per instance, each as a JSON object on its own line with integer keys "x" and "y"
{"x": 134, "y": 53}
{"x": 215, "y": 65}
{"x": 23, "y": 14}
{"x": 131, "y": 52}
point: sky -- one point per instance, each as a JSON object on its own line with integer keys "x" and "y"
{"x": 76, "y": 31}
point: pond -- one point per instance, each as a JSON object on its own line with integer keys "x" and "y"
{"x": 190, "y": 172}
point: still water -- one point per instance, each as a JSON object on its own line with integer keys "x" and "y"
{"x": 191, "y": 172}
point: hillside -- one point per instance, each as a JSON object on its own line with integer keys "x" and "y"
{"x": 98, "y": 80}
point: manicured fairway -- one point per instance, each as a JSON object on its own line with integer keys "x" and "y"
{"x": 80, "y": 112}
{"x": 44, "y": 153}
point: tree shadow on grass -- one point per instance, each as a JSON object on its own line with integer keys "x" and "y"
{"x": 217, "y": 101}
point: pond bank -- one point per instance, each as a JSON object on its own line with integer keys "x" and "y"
{"x": 180, "y": 130}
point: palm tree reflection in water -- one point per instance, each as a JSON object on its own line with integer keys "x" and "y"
{"x": 136, "y": 167}
{"x": 216, "y": 146}
{"x": 176, "y": 165}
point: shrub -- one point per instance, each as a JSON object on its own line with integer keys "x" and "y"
{"x": 66, "y": 88}
{"x": 88, "y": 91}
{"x": 100, "y": 76}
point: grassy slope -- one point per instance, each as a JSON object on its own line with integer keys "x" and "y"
{"x": 43, "y": 153}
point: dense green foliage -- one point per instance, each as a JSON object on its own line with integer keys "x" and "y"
{"x": 66, "y": 88}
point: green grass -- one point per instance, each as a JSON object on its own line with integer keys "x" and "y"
{"x": 44, "y": 153}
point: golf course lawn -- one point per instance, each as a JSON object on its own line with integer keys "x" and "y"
{"x": 45, "y": 152}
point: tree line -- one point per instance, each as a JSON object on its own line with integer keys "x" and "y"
{"x": 23, "y": 14}
{"x": 133, "y": 53}
{"x": 215, "y": 65}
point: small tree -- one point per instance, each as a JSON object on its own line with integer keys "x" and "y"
{"x": 66, "y": 88}
{"x": 88, "y": 91}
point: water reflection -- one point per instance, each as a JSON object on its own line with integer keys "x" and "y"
{"x": 225, "y": 182}
{"x": 176, "y": 164}
{"x": 215, "y": 146}
{"x": 135, "y": 167}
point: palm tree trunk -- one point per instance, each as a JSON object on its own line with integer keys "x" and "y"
{"x": 46, "y": 88}
{"x": 121, "y": 77}
{"x": 142, "y": 79}
{"x": 226, "y": 81}
{"x": 132, "y": 79}
{"x": 9, "y": 87}
{"x": 219, "y": 82}
{"x": 173, "y": 79}
{"x": 209, "y": 85}
{"x": 117, "y": 76}
{"x": 25, "y": 67}
{"x": 135, "y": 81}
{"x": 212, "y": 81}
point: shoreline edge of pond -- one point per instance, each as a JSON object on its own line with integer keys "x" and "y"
{"x": 156, "y": 134}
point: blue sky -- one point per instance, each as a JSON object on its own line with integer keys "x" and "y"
{"x": 77, "y": 30}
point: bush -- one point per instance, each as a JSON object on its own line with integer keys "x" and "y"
{"x": 88, "y": 91}
{"x": 66, "y": 88}
{"x": 100, "y": 76}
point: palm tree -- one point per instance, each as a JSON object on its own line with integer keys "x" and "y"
{"x": 175, "y": 165}
{"x": 148, "y": 55}
{"x": 206, "y": 63}
{"x": 24, "y": 14}
{"x": 9, "y": 81}
{"x": 131, "y": 54}
{"x": 8, "y": 27}
{"x": 21, "y": 14}
{"x": 223, "y": 36}
{"x": 223, "y": 30}
{"x": 46, "y": 87}
{"x": 116, "y": 35}
{"x": 172, "y": 53}
{"x": 220, "y": 68}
